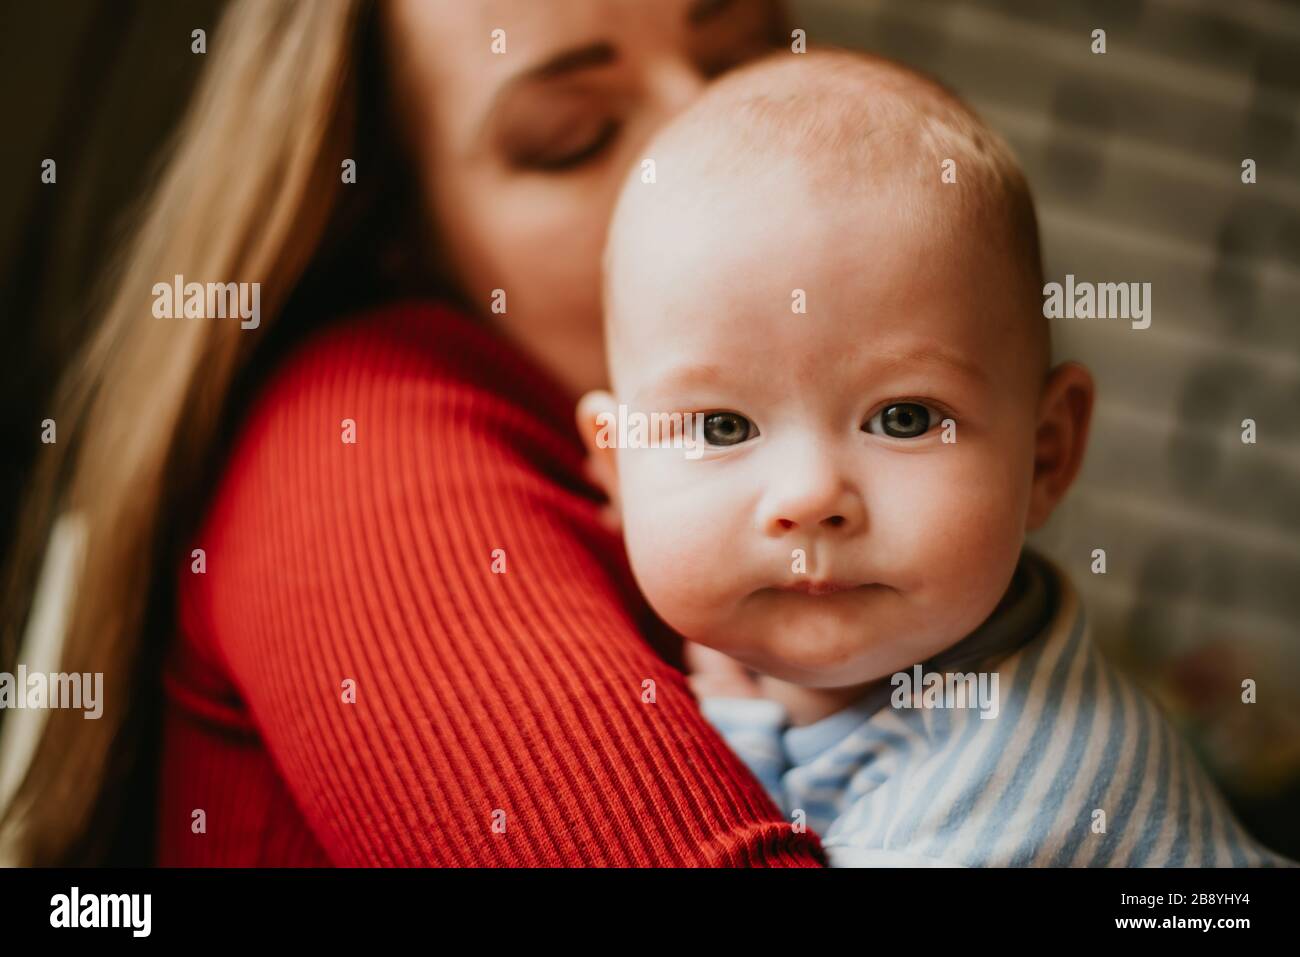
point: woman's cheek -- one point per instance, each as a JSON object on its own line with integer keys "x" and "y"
{"x": 546, "y": 253}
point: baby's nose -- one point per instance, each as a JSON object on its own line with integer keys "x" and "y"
{"x": 822, "y": 505}
{"x": 830, "y": 521}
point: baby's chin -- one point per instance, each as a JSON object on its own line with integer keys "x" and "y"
{"x": 829, "y": 639}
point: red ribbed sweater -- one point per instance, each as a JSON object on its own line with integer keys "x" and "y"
{"x": 499, "y": 719}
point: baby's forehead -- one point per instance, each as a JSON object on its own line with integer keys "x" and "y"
{"x": 792, "y": 176}
{"x": 850, "y": 134}
{"x": 701, "y": 238}
{"x": 791, "y": 292}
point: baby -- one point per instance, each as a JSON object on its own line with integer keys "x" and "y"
{"x": 825, "y": 326}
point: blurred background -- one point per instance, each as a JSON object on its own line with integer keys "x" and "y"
{"x": 1135, "y": 159}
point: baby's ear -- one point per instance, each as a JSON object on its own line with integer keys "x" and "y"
{"x": 1064, "y": 413}
{"x": 597, "y": 420}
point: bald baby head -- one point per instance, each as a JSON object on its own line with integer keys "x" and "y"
{"x": 834, "y": 132}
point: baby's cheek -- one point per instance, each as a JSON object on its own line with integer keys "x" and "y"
{"x": 959, "y": 548}
{"x": 680, "y": 548}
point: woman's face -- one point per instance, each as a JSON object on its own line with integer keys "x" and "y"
{"x": 521, "y": 152}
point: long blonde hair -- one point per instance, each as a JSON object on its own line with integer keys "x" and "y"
{"x": 251, "y": 191}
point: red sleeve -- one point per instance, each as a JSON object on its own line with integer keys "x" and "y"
{"x": 481, "y": 699}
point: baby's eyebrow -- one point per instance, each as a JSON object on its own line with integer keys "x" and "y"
{"x": 686, "y": 377}
{"x": 878, "y": 362}
{"x": 947, "y": 358}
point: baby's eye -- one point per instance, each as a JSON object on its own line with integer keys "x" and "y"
{"x": 728, "y": 428}
{"x": 902, "y": 420}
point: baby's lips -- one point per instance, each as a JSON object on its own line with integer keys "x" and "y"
{"x": 826, "y": 586}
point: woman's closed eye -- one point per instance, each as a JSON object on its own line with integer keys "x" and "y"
{"x": 560, "y": 126}
{"x": 560, "y": 139}
{"x": 582, "y": 148}
{"x": 903, "y": 420}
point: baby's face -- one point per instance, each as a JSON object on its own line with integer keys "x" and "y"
{"x": 828, "y": 535}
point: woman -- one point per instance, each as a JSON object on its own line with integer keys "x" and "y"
{"x": 346, "y": 582}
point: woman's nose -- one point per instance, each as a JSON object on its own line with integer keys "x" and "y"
{"x": 675, "y": 84}
{"x": 816, "y": 500}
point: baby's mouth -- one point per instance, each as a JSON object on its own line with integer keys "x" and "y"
{"x": 824, "y": 587}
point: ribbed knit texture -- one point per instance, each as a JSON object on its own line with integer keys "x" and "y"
{"x": 512, "y": 698}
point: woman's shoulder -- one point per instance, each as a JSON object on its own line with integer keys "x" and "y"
{"x": 401, "y": 344}
{"x": 407, "y": 378}
{"x": 403, "y": 437}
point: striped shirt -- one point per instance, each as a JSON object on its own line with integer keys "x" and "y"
{"x": 1074, "y": 767}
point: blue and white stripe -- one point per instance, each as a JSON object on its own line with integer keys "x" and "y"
{"x": 934, "y": 787}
